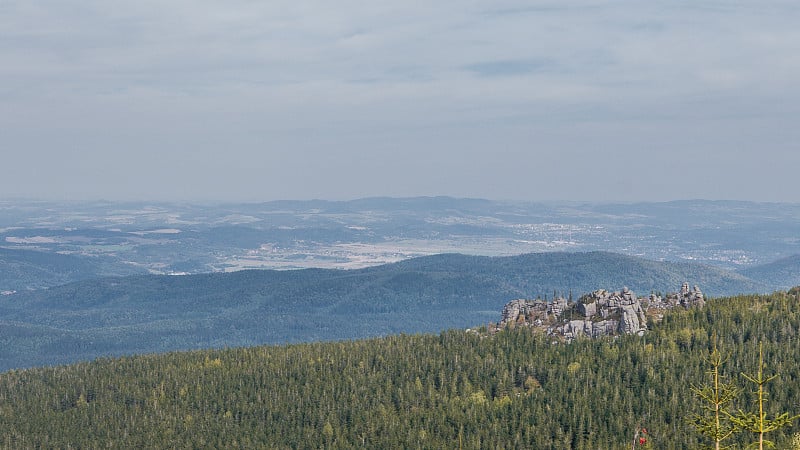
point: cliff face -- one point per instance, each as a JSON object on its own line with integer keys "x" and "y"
{"x": 600, "y": 313}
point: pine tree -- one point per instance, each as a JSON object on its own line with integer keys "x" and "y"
{"x": 714, "y": 422}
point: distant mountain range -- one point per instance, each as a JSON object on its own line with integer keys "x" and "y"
{"x": 87, "y": 240}
{"x": 156, "y": 313}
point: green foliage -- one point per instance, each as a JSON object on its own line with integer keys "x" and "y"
{"x": 758, "y": 423}
{"x": 716, "y": 398}
{"x": 512, "y": 390}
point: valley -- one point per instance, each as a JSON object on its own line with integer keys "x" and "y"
{"x": 157, "y": 313}
{"x": 172, "y": 238}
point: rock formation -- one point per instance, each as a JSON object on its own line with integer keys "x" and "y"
{"x": 600, "y": 313}
{"x": 535, "y": 312}
{"x": 686, "y": 298}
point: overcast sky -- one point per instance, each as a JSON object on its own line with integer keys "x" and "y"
{"x": 244, "y": 100}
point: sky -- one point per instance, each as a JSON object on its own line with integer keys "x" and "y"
{"x": 242, "y": 100}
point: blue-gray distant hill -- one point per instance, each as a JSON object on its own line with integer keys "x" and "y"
{"x": 781, "y": 274}
{"x": 137, "y": 314}
{"x": 26, "y": 269}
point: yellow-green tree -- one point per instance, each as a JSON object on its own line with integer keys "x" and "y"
{"x": 758, "y": 423}
{"x": 714, "y": 422}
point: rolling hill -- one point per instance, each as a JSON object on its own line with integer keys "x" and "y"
{"x": 143, "y": 314}
{"x": 783, "y": 273}
{"x": 24, "y": 269}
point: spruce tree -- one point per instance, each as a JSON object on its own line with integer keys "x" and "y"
{"x": 714, "y": 422}
{"x": 758, "y": 423}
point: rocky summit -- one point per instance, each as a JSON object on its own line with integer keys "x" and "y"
{"x": 600, "y": 313}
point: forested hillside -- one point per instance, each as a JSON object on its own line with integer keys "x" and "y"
{"x": 139, "y": 314}
{"x": 25, "y": 269}
{"x": 516, "y": 389}
{"x": 782, "y": 273}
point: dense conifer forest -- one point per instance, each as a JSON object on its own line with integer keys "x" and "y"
{"x": 459, "y": 389}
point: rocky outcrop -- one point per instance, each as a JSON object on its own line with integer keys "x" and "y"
{"x": 633, "y": 319}
{"x": 689, "y": 298}
{"x": 536, "y": 312}
{"x": 686, "y": 297}
{"x": 576, "y": 328}
{"x": 600, "y": 313}
{"x": 608, "y": 313}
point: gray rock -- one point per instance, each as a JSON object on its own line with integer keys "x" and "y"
{"x": 603, "y": 313}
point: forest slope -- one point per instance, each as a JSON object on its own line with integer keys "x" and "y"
{"x": 511, "y": 390}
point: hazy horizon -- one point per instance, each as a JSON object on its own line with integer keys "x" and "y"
{"x": 222, "y": 202}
